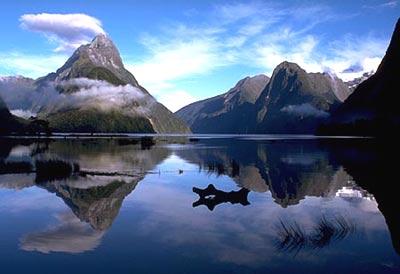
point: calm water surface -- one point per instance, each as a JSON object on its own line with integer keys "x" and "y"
{"x": 198, "y": 205}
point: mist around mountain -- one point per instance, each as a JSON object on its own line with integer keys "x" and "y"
{"x": 292, "y": 101}
{"x": 91, "y": 92}
{"x": 372, "y": 108}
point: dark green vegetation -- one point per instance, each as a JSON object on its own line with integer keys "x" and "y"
{"x": 96, "y": 121}
{"x": 373, "y": 107}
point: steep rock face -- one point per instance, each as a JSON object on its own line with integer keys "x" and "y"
{"x": 292, "y": 101}
{"x": 226, "y": 113}
{"x": 98, "y": 60}
{"x": 372, "y": 108}
{"x": 295, "y": 101}
{"x": 121, "y": 104}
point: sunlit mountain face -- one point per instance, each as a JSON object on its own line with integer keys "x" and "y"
{"x": 249, "y": 204}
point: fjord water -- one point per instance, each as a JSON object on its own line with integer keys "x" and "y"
{"x": 198, "y": 205}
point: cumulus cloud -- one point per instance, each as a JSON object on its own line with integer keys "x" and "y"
{"x": 68, "y": 31}
{"x": 305, "y": 110}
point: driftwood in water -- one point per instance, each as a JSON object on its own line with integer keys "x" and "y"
{"x": 211, "y": 197}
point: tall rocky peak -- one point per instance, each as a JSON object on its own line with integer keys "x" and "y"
{"x": 290, "y": 77}
{"x": 98, "y": 60}
{"x": 296, "y": 101}
{"x": 292, "y": 85}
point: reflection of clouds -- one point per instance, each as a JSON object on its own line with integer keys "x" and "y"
{"x": 234, "y": 234}
{"x": 69, "y": 236}
{"x": 17, "y": 181}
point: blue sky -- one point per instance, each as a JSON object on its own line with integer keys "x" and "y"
{"x": 190, "y": 50}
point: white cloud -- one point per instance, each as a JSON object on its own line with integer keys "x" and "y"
{"x": 253, "y": 34}
{"x": 96, "y": 93}
{"x": 390, "y": 4}
{"x": 16, "y": 63}
{"x": 269, "y": 55}
{"x": 387, "y": 4}
{"x": 68, "y": 31}
{"x": 365, "y": 51}
{"x": 175, "y": 100}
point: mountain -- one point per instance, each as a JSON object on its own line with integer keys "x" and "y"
{"x": 292, "y": 101}
{"x": 295, "y": 101}
{"x": 93, "y": 92}
{"x": 98, "y": 60}
{"x": 372, "y": 109}
{"x": 228, "y": 112}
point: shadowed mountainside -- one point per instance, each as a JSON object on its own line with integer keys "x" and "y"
{"x": 372, "y": 108}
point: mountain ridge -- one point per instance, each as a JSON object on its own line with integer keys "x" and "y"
{"x": 222, "y": 113}
{"x": 291, "y": 101}
{"x": 100, "y": 61}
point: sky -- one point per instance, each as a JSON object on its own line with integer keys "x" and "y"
{"x": 185, "y": 51}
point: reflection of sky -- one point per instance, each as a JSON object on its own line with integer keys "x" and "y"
{"x": 236, "y": 234}
{"x": 157, "y": 221}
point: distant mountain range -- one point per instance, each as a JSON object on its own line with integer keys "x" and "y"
{"x": 92, "y": 92}
{"x": 292, "y": 101}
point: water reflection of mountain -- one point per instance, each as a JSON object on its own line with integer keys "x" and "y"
{"x": 289, "y": 170}
{"x": 371, "y": 165}
{"x": 95, "y": 199}
{"x": 292, "y": 170}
